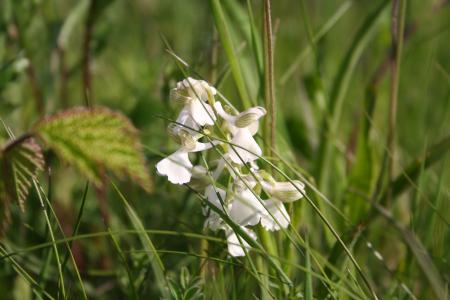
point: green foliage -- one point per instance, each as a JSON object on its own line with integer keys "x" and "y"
{"x": 332, "y": 77}
{"x": 20, "y": 162}
{"x": 186, "y": 287}
{"x": 94, "y": 139}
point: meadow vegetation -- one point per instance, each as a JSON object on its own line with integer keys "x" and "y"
{"x": 134, "y": 136}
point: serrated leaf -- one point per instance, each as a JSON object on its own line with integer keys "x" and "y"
{"x": 5, "y": 213}
{"x": 93, "y": 139}
{"x": 21, "y": 161}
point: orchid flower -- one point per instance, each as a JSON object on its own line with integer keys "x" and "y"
{"x": 241, "y": 199}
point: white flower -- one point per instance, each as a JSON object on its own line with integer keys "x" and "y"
{"x": 246, "y": 208}
{"x": 191, "y": 88}
{"x": 248, "y": 119}
{"x": 217, "y": 197}
{"x": 242, "y": 128}
{"x": 177, "y": 166}
{"x": 275, "y": 217}
{"x": 195, "y": 94}
{"x": 236, "y": 245}
{"x": 186, "y": 122}
{"x": 214, "y": 221}
{"x": 284, "y": 191}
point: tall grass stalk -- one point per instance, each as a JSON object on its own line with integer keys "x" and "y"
{"x": 397, "y": 31}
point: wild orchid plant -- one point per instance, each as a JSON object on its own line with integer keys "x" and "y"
{"x": 236, "y": 184}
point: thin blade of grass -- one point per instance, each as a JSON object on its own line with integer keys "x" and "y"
{"x": 52, "y": 236}
{"x": 222, "y": 26}
{"x": 308, "y": 277}
{"x": 155, "y": 260}
{"x": 339, "y": 91}
{"x": 323, "y": 30}
{"x": 25, "y": 275}
{"x": 125, "y": 264}
{"x": 423, "y": 258}
{"x": 68, "y": 247}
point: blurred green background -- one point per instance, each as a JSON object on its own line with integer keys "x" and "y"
{"x": 42, "y": 64}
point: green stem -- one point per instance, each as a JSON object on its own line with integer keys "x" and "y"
{"x": 269, "y": 87}
{"x": 398, "y": 27}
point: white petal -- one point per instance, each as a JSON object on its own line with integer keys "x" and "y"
{"x": 199, "y": 88}
{"x": 185, "y": 118}
{"x": 211, "y": 193}
{"x": 204, "y": 146}
{"x": 222, "y": 113}
{"x": 249, "y": 118}
{"x": 235, "y": 244}
{"x": 248, "y": 151}
{"x": 219, "y": 169}
{"x": 276, "y": 216}
{"x": 192, "y": 89}
{"x": 245, "y": 182}
{"x": 246, "y": 208}
{"x": 258, "y": 111}
{"x": 177, "y": 167}
{"x": 214, "y": 222}
{"x": 202, "y": 113}
{"x": 253, "y": 127}
{"x": 285, "y": 191}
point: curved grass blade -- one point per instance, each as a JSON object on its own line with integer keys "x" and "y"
{"x": 24, "y": 274}
{"x": 339, "y": 90}
{"x": 52, "y": 236}
{"x": 227, "y": 43}
{"x": 41, "y": 193}
{"x": 155, "y": 260}
{"x": 323, "y": 30}
{"x": 124, "y": 262}
{"x": 420, "y": 252}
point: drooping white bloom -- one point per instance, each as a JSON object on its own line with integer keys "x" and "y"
{"x": 236, "y": 245}
{"x": 246, "y": 208}
{"x": 248, "y": 119}
{"x": 285, "y": 191}
{"x": 177, "y": 166}
{"x": 275, "y": 217}
{"x": 217, "y": 197}
{"x": 240, "y": 201}
{"x": 243, "y": 127}
{"x": 195, "y": 94}
{"x": 246, "y": 149}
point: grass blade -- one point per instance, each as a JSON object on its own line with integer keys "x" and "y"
{"x": 227, "y": 43}
{"x": 308, "y": 277}
{"x": 157, "y": 265}
{"x": 420, "y": 252}
{"x": 339, "y": 90}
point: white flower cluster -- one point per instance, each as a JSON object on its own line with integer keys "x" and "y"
{"x": 241, "y": 199}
